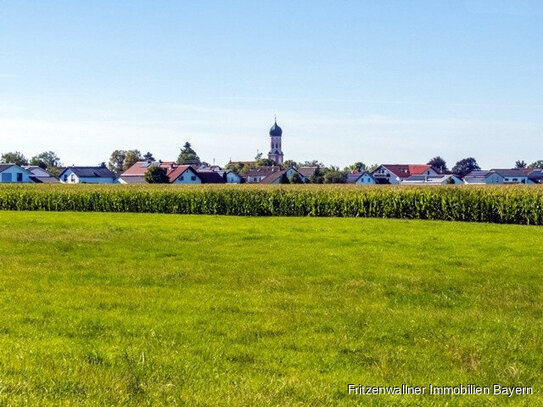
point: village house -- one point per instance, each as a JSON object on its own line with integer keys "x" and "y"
{"x": 256, "y": 175}
{"x": 360, "y": 178}
{"x": 13, "y": 173}
{"x": 41, "y": 176}
{"x": 442, "y": 179}
{"x": 275, "y": 177}
{"x": 515, "y": 175}
{"x": 395, "y": 173}
{"x": 88, "y": 175}
{"x": 177, "y": 174}
{"x": 483, "y": 177}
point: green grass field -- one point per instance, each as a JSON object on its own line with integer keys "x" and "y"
{"x": 143, "y": 309}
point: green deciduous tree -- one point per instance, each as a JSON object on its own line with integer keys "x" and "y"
{"x": 536, "y": 164}
{"x": 14, "y": 158}
{"x": 156, "y": 175}
{"x": 438, "y": 163}
{"x": 295, "y": 178}
{"x": 465, "y": 166}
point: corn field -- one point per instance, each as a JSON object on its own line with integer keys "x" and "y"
{"x": 497, "y": 204}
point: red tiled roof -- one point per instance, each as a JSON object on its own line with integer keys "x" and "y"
{"x": 175, "y": 171}
{"x": 406, "y": 170}
{"x": 139, "y": 168}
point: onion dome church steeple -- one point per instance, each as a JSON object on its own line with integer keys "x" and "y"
{"x": 276, "y": 154}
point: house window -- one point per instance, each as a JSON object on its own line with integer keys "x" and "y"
{"x": 65, "y": 178}
{"x": 182, "y": 178}
{"x": 193, "y": 178}
{"x": 6, "y": 177}
{"x": 19, "y": 177}
{"x": 72, "y": 178}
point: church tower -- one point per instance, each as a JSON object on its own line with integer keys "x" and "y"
{"x": 276, "y": 154}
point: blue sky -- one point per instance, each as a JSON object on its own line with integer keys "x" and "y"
{"x": 372, "y": 81}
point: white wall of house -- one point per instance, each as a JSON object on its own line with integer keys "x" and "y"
{"x": 232, "y": 178}
{"x": 365, "y": 179}
{"x": 15, "y": 174}
{"x": 494, "y": 179}
{"x": 188, "y": 177}
{"x": 384, "y": 173}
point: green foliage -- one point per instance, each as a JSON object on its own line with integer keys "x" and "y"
{"x": 333, "y": 175}
{"x": 156, "y": 310}
{"x": 438, "y": 163}
{"x": 265, "y": 162}
{"x": 295, "y": 178}
{"x": 358, "y": 166}
{"x": 498, "y": 204}
{"x": 536, "y": 164}
{"x": 188, "y": 156}
{"x": 156, "y": 175}
{"x": 121, "y": 160}
{"x": 14, "y": 158}
{"x": 465, "y": 166}
{"x": 46, "y": 160}
{"x": 284, "y": 179}
{"x": 520, "y": 164}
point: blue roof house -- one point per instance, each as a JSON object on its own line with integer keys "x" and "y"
{"x": 12, "y": 173}
{"x": 88, "y": 175}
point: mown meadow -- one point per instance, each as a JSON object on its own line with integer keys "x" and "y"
{"x": 154, "y": 309}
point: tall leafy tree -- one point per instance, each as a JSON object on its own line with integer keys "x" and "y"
{"x": 156, "y": 175}
{"x": 536, "y": 164}
{"x": 46, "y": 160}
{"x": 131, "y": 158}
{"x": 116, "y": 161}
{"x": 357, "y": 166}
{"x": 465, "y": 166}
{"x": 333, "y": 175}
{"x": 520, "y": 164}
{"x": 14, "y": 158}
{"x": 148, "y": 156}
{"x": 188, "y": 155}
{"x": 438, "y": 163}
{"x": 295, "y": 178}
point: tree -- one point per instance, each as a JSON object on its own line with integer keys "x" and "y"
{"x": 14, "y": 158}
{"x": 258, "y": 156}
{"x": 148, "y": 157}
{"x": 131, "y": 158}
{"x": 289, "y": 163}
{"x": 46, "y": 160}
{"x": 536, "y": 164}
{"x": 438, "y": 163}
{"x": 116, "y": 161}
{"x": 156, "y": 175}
{"x": 316, "y": 177}
{"x": 356, "y": 167}
{"x": 520, "y": 164}
{"x": 333, "y": 175}
{"x": 284, "y": 179}
{"x": 295, "y": 178}
{"x": 121, "y": 160}
{"x": 188, "y": 156}
{"x": 465, "y": 166}
{"x": 265, "y": 162}
{"x": 313, "y": 163}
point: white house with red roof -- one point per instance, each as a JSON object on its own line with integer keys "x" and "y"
{"x": 395, "y": 173}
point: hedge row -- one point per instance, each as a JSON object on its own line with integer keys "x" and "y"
{"x": 500, "y": 204}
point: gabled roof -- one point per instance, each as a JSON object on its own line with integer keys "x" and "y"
{"x": 38, "y": 171}
{"x": 44, "y": 180}
{"x": 4, "y": 167}
{"x": 307, "y": 171}
{"x": 90, "y": 172}
{"x": 211, "y": 177}
{"x": 140, "y": 168}
{"x": 176, "y": 171}
{"x": 352, "y": 177}
{"x": 263, "y": 171}
{"x": 406, "y": 170}
{"x": 515, "y": 172}
{"x": 479, "y": 174}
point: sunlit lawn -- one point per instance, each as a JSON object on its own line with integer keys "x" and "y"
{"x": 116, "y": 309}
